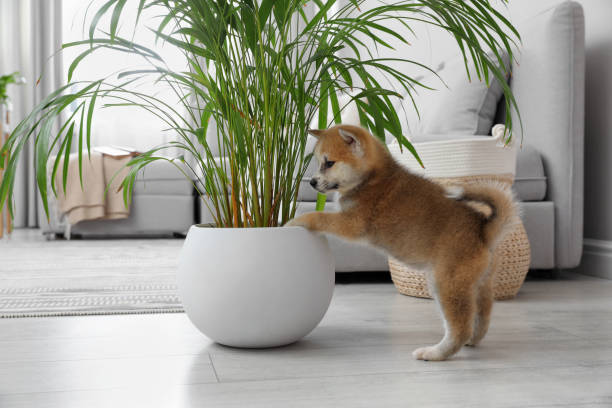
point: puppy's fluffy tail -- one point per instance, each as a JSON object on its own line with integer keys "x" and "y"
{"x": 500, "y": 198}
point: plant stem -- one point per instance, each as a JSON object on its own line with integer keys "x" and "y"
{"x": 321, "y": 199}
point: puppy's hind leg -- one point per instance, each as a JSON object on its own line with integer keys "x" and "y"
{"x": 456, "y": 296}
{"x": 484, "y": 304}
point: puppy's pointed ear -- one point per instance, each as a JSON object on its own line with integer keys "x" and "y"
{"x": 351, "y": 139}
{"x": 348, "y": 137}
{"x": 316, "y": 132}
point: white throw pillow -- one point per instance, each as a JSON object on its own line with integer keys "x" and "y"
{"x": 463, "y": 108}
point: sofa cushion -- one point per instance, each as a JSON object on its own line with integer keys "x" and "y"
{"x": 162, "y": 178}
{"x": 539, "y": 222}
{"x": 463, "y": 108}
{"x": 530, "y": 180}
{"x": 164, "y": 187}
{"x": 161, "y": 170}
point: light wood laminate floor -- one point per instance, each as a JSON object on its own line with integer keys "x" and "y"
{"x": 550, "y": 347}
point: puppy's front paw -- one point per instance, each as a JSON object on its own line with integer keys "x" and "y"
{"x": 298, "y": 222}
{"x": 311, "y": 221}
{"x": 433, "y": 353}
{"x": 293, "y": 223}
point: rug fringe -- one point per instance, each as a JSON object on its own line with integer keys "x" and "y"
{"x": 88, "y": 313}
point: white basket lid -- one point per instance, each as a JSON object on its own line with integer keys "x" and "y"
{"x": 461, "y": 157}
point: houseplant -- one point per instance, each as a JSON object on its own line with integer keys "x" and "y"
{"x": 5, "y": 108}
{"x": 261, "y": 70}
{"x": 5, "y": 80}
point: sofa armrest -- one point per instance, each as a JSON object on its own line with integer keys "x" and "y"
{"x": 548, "y": 83}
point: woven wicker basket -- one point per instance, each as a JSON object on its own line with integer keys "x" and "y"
{"x": 510, "y": 262}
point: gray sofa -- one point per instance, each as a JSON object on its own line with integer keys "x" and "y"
{"x": 548, "y": 84}
{"x": 163, "y": 203}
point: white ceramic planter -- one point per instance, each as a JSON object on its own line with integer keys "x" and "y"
{"x": 255, "y": 287}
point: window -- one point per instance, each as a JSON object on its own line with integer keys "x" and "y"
{"x": 127, "y": 126}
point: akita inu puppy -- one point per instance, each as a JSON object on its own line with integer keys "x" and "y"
{"x": 419, "y": 223}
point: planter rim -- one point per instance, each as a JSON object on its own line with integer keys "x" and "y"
{"x": 204, "y": 226}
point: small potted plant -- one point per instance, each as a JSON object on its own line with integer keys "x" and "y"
{"x": 5, "y": 101}
{"x": 262, "y": 71}
{"x": 5, "y": 108}
{"x": 14, "y": 78}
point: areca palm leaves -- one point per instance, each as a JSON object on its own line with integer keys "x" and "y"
{"x": 262, "y": 71}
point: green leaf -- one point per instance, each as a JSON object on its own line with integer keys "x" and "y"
{"x": 67, "y": 155}
{"x": 250, "y": 27}
{"x": 90, "y": 110}
{"x": 139, "y": 12}
{"x": 99, "y": 14}
{"x": 115, "y": 17}
{"x": 280, "y": 11}
{"x": 406, "y": 143}
{"x": 42, "y": 154}
{"x": 79, "y": 58}
{"x": 324, "y": 102}
{"x": 80, "y": 147}
{"x": 333, "y": 97}
{"x": 321, "y": 14}
{"x": 264, "y": 11}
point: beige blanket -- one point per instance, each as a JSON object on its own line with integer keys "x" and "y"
{"x": 93, "y": 201}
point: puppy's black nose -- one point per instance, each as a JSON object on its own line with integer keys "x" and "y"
{"x": 313, "y": 182}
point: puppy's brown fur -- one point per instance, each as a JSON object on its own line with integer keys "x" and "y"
{"x": 417, "y": 222}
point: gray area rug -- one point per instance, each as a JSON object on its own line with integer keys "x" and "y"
{"x": 81, "y": 277}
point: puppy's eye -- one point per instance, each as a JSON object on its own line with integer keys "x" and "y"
{"x": 329, "y": 163}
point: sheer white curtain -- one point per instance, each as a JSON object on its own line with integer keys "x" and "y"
{"x": 30, "y": 33}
